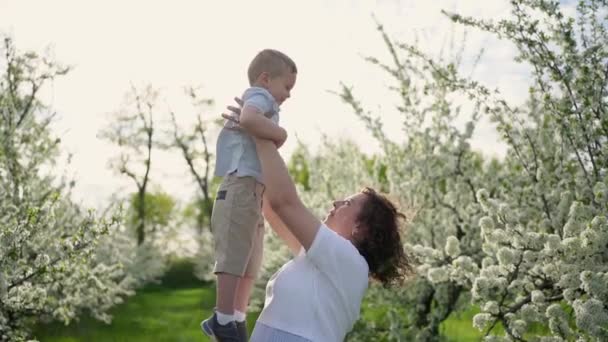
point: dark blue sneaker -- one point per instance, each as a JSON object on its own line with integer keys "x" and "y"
{"x": 242, "y": 329}
{"x": 221, "y": 333}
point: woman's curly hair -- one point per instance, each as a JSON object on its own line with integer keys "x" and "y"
{"x": 381, "y": 244}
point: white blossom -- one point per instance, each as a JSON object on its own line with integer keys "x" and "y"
{"x": 487, "y": 225}
{"x": 491, "y": 307}
{"x": 452, "y": 246}
{"x": 555, "y": 311}
{"x": 600, "y": 224}
{"x": 438, "y": 275}
{"x": 600, "y": 191}
{"x": 591, "y": 316}
{"x": 529, "y": 313}
{"x": 559, "y": 326}
{"x": 574, "y": 225}
{"x": 553, "y": 242}
{"x": 518, "y": 327}
{"x": 505, "y": 256}
{"x": 482, "y": 195}
{"x": 570, "y": 295}
{"x": 594, "y": 284}
{"x": 538, "y": 296}
{"x": 530, "y": 257}
{"x": 480, "y": 288}
{"x": 572, "y": 245}
{"x": 481, "y": 320}
{"x": 569, "y": 280}
{"x": 551, "y": 339}
{"x": 487, "y": 262}
{"x": 499, "y": 236}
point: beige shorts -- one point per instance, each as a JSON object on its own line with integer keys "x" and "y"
{"x": 238, "y": 226}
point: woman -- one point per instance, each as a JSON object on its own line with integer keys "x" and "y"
{"x": 317, "y": 295}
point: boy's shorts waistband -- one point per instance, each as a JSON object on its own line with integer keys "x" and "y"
{"x": 233, "y": 178}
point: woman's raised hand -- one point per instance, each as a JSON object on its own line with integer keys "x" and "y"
{"x": 235, "y": 112}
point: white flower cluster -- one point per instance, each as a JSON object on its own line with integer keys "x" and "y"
{"x": 52, "y": 269}
{"x": 526, "y": 235}
{"x": 51, "y": 263}
{"x": 553, "y": 269}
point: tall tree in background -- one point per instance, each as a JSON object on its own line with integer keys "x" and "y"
{"x": 159, "y": 212}
{"x": 194, "y": 147}
{"x": 133, "y": 131}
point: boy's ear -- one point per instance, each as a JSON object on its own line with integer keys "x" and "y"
{"x": 264, "y": 77}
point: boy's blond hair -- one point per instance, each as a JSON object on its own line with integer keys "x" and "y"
{"x": 271, "y": 61}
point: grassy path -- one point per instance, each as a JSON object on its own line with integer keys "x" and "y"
{"x": 170, "y": 311}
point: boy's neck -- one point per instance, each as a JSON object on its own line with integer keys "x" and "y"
{"x": 259, "y": 85}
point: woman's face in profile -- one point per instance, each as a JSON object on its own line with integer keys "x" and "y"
{"x": 343, "y": 216}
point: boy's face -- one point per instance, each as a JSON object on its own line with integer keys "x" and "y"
{"x": 280, "y": 86}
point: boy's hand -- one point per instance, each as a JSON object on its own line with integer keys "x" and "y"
{"x": 284, "y": 138}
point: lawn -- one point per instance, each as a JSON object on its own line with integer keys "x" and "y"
{"x": 171, "y": 311}
{"x": 165, "y": 314}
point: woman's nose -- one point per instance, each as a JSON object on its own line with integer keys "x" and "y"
{"x": 338, "y": 204}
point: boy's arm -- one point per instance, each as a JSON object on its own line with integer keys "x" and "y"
{"x": 280, "y": 228}
{"x": 259, "y": 126}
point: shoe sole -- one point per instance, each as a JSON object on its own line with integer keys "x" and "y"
{"x": 207, "y": 330}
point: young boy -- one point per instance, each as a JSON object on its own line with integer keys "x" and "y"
{"x": 236, "y": 222}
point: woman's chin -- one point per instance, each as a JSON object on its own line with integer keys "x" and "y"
{"x": 329, "y": 222}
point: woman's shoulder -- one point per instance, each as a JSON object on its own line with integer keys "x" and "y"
{"x": 337, "y": 250}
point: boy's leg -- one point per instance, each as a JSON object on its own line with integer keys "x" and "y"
{"x": 234, "y": 209}
{"x": 221, "y": 226}
{"x": 243, "y": 292}
{"x": 254, "y": 265}
{"x": 226, "y": 290}
{"x": 247, "y": 282}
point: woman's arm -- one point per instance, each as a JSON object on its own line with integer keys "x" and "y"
{"x": 282, "y": 196}
{"x": 279, "y": 227}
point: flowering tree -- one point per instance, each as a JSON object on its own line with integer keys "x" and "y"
{"x": 49, "y": 262}
{"x": 435, "y": 173}
{"x": 545, "y": 237}
{"x": 525, "y": 238}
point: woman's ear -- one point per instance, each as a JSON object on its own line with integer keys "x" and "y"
{"x": 358, "y": 232}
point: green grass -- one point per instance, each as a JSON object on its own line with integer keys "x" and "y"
{"x": 170, "y": 311}
{"x": 459, "y": 327}
{"x": 168, "y": 315}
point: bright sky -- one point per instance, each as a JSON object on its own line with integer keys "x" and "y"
{"x": 172, "y": 44}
